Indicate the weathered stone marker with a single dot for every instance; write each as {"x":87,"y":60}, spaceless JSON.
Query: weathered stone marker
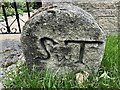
{"x":63,"y":38}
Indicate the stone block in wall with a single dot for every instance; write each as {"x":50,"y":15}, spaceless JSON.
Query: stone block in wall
{"x":108,"y":23}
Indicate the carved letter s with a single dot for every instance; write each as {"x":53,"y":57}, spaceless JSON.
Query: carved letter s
{"x":42,"y":42}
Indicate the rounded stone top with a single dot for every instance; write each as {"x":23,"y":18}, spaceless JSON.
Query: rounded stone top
{"x":65,"y":37}
{"x":67,"y":16}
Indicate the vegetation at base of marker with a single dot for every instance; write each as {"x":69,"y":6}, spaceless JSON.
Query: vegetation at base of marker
{"x":107,"y":76}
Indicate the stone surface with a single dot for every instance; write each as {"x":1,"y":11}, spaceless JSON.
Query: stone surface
{"x":64,"y":38}
{"x":10,"y":50}
{"x":100,"y":11}
{"x":82,"y":1}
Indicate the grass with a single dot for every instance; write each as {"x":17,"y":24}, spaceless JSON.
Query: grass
{"x":107,"y":77}
{"x":34,"y":79}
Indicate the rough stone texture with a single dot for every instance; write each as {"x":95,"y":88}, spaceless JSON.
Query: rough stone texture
{"x":82,"y":1}
{"x":97,"y":8}
{"x":103,"y":12}
{"x":63,"y":38}
{"x":10,"y":50}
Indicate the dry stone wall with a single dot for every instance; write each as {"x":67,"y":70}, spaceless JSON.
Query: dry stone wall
{"x":105,"y":15}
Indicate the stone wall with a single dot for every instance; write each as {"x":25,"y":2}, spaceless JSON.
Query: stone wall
{"x":104,"y":13}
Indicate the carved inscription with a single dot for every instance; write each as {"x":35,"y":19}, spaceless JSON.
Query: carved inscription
{"x":80,"y":42}
{"x":63,"y":39}
{"x":82,"y":47}
{"x":42,"y":42}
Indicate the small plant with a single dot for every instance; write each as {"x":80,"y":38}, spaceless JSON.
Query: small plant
{"x":1,"y":18}
{"x":10,"y":11}
{"x":25,"y":9}
{"x":20,"y":11}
